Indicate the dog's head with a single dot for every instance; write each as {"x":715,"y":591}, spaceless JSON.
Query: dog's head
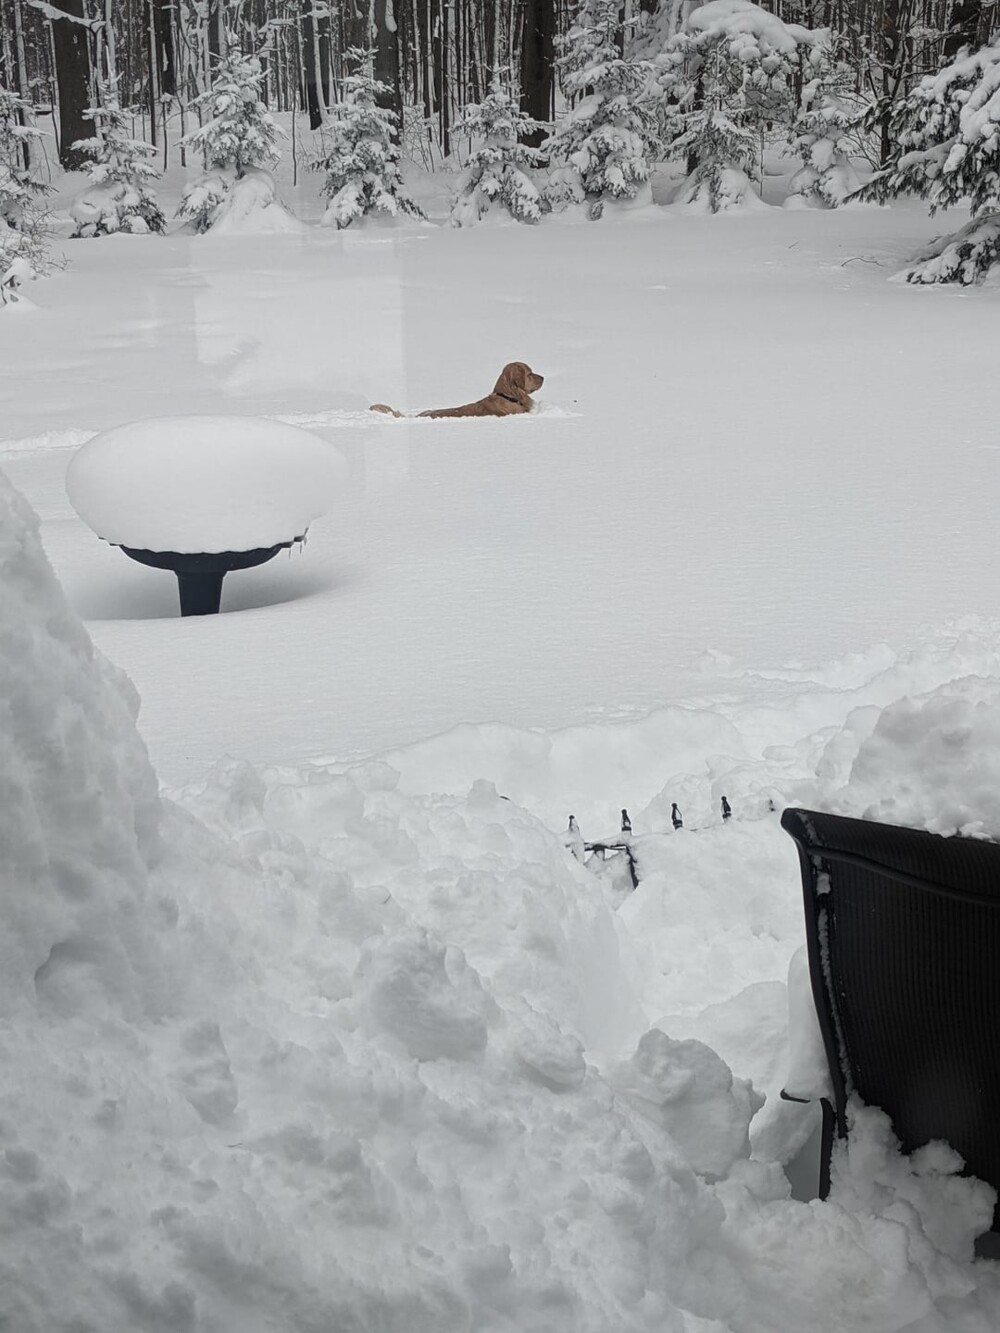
{"x":517,"y":378}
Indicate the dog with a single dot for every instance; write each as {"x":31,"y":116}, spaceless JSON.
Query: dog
{"x":511,"y":394}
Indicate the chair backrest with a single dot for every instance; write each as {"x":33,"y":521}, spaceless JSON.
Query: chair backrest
{"x":903,"y":934}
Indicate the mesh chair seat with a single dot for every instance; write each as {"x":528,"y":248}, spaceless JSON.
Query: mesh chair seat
{"x":903,"y":935}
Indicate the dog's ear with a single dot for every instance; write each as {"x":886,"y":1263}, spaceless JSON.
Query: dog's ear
{"x":509,"y":381}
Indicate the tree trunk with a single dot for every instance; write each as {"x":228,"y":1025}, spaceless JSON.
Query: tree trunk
{"x":964,"y":27}
{"x":213,"y":29}
{"x":892,"y":49}
{"x":154,"y":68}
{"x":444,"y":86}
{"x":21,"y":63}
{"x":310,"y":58}
{"x":537,"y":64}
{"x":163,"y":18}
{"x":387,"y":57}
{"x":71,"y":45}
{"x":322,"y":44}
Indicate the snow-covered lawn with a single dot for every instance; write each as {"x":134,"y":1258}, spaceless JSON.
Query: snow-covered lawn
{"x":337,"y":1038}
{"x":748,"y":442}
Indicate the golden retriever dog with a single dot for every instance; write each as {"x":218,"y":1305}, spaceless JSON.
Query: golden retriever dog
{"x":511,"y":393}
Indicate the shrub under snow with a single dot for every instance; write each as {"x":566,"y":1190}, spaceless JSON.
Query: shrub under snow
{"x":963,"y":257}
{"x":24,"y":219}
{"x":497,"y":178}
{"x":239,"y":141}
{"x":119,"y":197}
{"x":361,"y":160}
{"x":609,"y":137}
{"x":727,"y":76}
{"x":948,"y":132}
{"x":823,"y":140}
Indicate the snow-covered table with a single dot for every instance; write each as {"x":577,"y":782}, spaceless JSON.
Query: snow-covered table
{"x":203,"y":495}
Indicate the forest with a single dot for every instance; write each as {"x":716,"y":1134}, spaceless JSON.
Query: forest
{"x":535,"y":106}
{"x":434,"y":57}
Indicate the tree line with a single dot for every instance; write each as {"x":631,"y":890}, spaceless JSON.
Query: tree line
{"x":434,"y":57}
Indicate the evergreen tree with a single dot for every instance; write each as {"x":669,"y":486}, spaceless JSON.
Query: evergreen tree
{"x":608,"y":137}
{"x":119,"y":197}
{"x":239,"y":140}
{"x":824,"y":139}
{"x":497,"y":172}
{"x":361,"y":157}
{"x":24,"y":219}
{"x":948,"y":138}
{"x":729,"y":76}
{"x":241,"y":132}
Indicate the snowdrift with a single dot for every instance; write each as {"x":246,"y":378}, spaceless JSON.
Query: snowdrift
{"x":305,"y":1051}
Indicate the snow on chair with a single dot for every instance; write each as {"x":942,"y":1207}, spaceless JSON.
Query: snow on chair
{"x":903,"y":938}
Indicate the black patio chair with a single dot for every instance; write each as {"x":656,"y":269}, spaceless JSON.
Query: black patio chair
{"x":903,"y":936}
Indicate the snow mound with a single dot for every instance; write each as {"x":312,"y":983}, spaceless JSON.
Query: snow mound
{"x":203,"y":483}
{"x":688,"y":1089}
{"x":251,"y":207}
{"x":110,"y":207}
{"x":80,"y":811}
{"x":736,"y":191}
{"x":931,"y":762}
{"x":306,"y":1051}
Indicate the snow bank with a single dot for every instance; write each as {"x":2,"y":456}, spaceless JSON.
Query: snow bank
{"x":309,"y":1051}
{"x":251,"y":207}
{"x":736,"y":191}
{"x":338,"y":1119}
{"x":79,"y":813}
{"x":931,"y":762}
{"x":203,"y":483}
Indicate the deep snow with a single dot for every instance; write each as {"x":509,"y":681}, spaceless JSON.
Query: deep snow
{"x":748,"y":442}
{"x":335,"y":1033}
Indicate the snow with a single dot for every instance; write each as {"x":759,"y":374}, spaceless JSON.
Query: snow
{"x":931,"y":762}
{"x":753,"y":32}
{"x":203,"y":483}
{"x":331,"y":1030}
{"x":251,"y":207}
{"x":108,"y":207}
{"x":80,"y":814}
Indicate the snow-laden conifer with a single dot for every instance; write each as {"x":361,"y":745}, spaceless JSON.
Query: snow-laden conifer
{"x":119,"y":197}
{"x":729,"y":75}
{"x":824,"y":139}
{"x":360,"y":156}
{"x":497,"y":177}
{"x":948,"y":133}
{"x":239,"y":141}
{"x":24,"y":218}
{"x":964,"y":257}
{"x":608,"y":138}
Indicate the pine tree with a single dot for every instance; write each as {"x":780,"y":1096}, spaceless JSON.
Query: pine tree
{"x":728,"y":76}
{"x":609,"y":137}
{"x":497,"y":172}
{"x":824,"y":139}
{"x":119,"y":197}
{"x":361,"y":157}
{"x":948,"y":137}
{"x":241,"y":132}
{"x":24,"y":219}
{"x":239,"y":141}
